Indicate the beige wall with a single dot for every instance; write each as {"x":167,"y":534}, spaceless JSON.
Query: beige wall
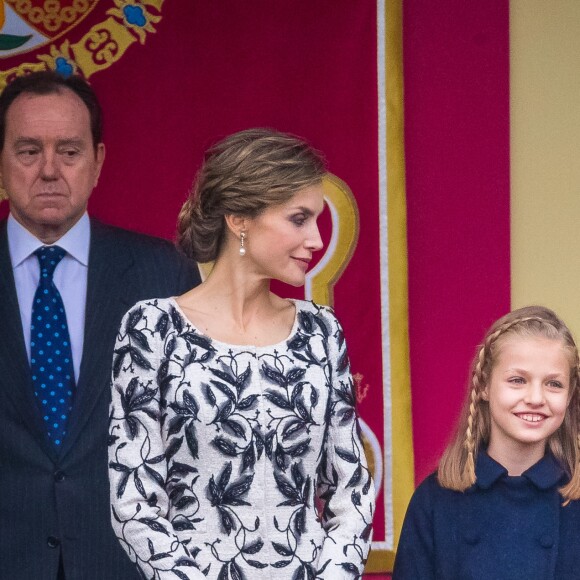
{"x":545,"y":155}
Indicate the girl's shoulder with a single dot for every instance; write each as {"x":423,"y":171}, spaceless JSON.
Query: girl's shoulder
{"x":431,"y":495}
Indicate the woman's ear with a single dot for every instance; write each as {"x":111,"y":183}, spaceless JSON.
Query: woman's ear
{"x":236,"y":224}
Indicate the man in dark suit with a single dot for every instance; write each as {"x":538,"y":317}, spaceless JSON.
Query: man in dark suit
{"x":65,"y":283}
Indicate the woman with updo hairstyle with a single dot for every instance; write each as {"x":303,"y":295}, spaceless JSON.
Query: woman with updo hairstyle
{"x":504,"y":502}
{"x":235,"y":451}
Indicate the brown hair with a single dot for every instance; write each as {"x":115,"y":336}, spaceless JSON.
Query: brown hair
{"x":457,"y":466}
{"x":49,"y":82}
{"x":243,"y":174}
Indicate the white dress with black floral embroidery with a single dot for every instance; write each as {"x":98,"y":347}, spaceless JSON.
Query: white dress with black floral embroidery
{"x":237,"y":462}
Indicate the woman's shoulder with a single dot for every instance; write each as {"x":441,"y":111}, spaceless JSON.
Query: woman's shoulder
{"x":159,"y":305}
{"x":320,"y":310}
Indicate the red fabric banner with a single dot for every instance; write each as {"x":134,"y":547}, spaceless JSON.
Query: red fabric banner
{"x":173,"y":77}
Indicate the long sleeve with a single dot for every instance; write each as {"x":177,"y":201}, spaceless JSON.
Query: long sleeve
{"x":415,"y":552}
{"x":141,"y":465}
{"x":344,"y":483}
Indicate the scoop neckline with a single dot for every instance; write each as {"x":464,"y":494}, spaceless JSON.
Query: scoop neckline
{"x":293,"y":330}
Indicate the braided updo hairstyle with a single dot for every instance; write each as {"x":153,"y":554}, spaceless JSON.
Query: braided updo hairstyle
{"x":457,"y":466}
{"x":243,"y":174}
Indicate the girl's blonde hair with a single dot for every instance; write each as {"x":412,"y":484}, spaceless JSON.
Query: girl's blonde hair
{"x":457,"y":466}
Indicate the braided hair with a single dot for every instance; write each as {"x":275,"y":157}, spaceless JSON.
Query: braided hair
{"x":457,"y":466}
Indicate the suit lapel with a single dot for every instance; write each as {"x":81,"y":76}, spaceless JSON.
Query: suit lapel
{"x":15,"y":377}
{"x":108,"y":285}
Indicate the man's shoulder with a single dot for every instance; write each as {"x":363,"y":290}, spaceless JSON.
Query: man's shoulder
{"x":105,"y":233}
{"x":154,"y":259}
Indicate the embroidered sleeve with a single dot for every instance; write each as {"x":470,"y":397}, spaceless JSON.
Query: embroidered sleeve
{"x":344,"y":481}
{"x":141,"y":464}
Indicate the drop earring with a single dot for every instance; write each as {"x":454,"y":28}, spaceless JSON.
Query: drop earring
{"x":242,"y":248}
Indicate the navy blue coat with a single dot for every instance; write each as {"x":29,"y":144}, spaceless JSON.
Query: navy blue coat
{"x":502,"y":528}
{"x":53,"y":504}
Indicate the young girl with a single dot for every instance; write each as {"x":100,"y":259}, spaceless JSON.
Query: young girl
{"x":503,"y":503}
{"x":233,"y":415}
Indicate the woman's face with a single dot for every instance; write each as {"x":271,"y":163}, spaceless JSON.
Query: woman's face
{"x":528,"y":394}
{"x":281,"y":240}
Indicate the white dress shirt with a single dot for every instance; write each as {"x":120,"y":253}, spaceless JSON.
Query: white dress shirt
{"x":70,"y":277}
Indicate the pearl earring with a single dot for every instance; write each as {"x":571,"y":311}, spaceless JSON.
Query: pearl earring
{"x":242,"y":249}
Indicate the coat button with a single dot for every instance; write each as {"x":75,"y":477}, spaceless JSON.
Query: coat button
{"x":471,"y":537}
{"x":52,"y":542}
{"x":59,"y":476}
{"x":546,"y":541}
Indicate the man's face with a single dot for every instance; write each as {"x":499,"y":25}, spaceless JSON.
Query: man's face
{"x":48,"y":165}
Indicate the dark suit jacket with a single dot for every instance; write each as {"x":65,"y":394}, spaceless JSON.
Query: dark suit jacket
{"x":51,"y":503}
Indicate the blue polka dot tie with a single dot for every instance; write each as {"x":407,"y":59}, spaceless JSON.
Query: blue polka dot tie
{"x":50,"y":349}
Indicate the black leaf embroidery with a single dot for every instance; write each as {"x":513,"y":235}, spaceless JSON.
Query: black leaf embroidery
{"x":295,"y":375}
{"x":342,"y":363}
{"x":176,"y":319}
{"x":356,"y":477}
{"x":254,"y":547}
{"x":191,"y":439}
{"x":139,"y":484}
{"x":176,"y":423}
{"x":224,"y":376}
{"x":140,"y":339}
{"x":366,"y":533}
{"x":292,"y":428}
{"x":224,"y":478}
{"x":173,"y":447}
{"x":346,"y":455}
{"x":298,"y":342}
{"x":180,"y":469}
{"x":256,"y":564}
{"x":225,"y":390}
{"x":300,"y":521}
{"x":154,"y":525}
{"x":299,"y":449}
{"x":233,"y":428}
{"x":227,"y":521}
{"x":277,"y":425}
{"x":236,"y":572}
{"x":277,"y":399}
{"x":287,"y":489}
{"x":248,"y":458}
{"x":225,"y":446}
{"x":305,"y":321}
{"x":248,"y":403}
{"x":122,"y":484}
{"x":281,"y":549}
{"x":197,"y":340}
{"x":223,"y":575}
{"x":275,"y":376}
{"x":322,"y":325}
{"x":118,"y":359}
{"x":162,"y":325}
{"x":134,"y":317}
{"x":155,"y":475}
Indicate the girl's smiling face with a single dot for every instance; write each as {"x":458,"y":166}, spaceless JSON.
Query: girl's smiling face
{"x":528,"y":395}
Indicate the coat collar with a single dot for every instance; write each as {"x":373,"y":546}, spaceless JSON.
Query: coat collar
{"x":545,"y":474}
